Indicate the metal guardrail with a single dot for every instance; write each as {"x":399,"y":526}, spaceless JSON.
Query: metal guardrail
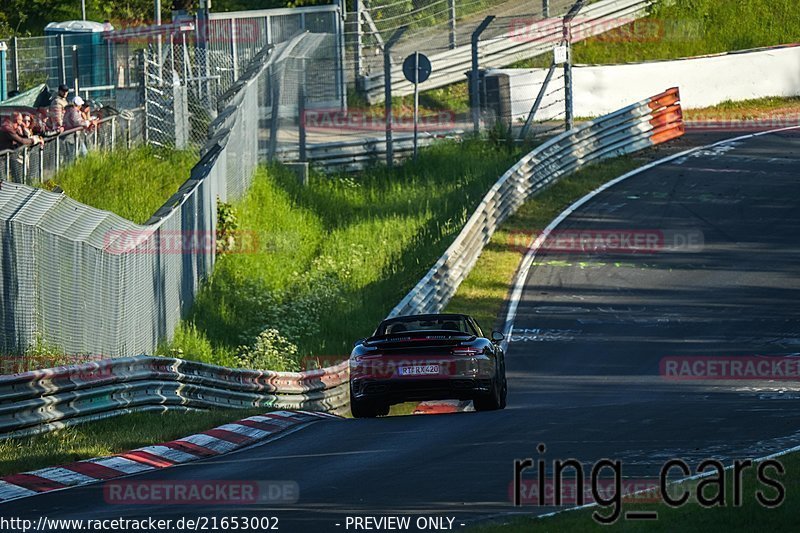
{"x":43,"y":400}
{"x":450,"y":66}
{"x":358,"y":154}
{"x":638,"y":126}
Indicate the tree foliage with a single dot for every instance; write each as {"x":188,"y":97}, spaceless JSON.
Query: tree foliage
{"x":29,"y":17}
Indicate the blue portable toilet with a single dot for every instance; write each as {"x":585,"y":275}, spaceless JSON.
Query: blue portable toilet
{"x":95,"y":53}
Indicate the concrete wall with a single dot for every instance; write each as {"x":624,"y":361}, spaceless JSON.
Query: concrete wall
{"x":703,"y":81}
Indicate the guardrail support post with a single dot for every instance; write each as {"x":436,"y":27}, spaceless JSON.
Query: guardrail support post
{"x":473,"y":75}
{"x":545,"y":8}
{"x":453,"y":23}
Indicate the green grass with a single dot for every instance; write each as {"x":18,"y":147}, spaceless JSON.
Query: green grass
{"x":751,"y":516}
{"x":333,"y":258}
{"x":131,"y":183}
{"x":686,"y":28}
{"x":484,"y":291}
{"x":110,"y":436}
{"x":747,"y":109}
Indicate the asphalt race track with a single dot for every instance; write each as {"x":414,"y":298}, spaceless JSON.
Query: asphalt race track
{"x":584,"y":364}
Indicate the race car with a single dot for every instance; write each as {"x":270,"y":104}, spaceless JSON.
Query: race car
{"x":427,"y":357}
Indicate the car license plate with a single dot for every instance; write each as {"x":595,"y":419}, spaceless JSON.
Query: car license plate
{"x":418,"y":370}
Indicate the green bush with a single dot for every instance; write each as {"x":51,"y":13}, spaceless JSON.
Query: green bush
{"x":271,"y":350}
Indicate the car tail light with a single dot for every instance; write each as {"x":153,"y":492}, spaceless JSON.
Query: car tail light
{"x":465,"y":351}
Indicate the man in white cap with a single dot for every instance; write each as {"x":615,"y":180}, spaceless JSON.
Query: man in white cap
{"x":73,"y":117}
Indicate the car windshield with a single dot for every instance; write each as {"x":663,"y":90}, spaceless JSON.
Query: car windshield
{"x":446,"y":323}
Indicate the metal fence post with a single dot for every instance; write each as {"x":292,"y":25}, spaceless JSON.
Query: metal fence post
{"x":301,"y":108}
{"x":62,"y":66}
{"x":15,"y":64}
{"x":234,"y":50}
{"x":359,"y":43}
{"x":75,"y":70}
{"x":58,"y":152}
{"x":113,"y":131}
{"x":3,"y":72}
{"x":341,"y":82}
{"x":387,"y":93}
{"x":275,"y":83}
{"x":453,"y":23}
{"x":545,"y":8}
{"x":473,"y":75}
{"x":539,"y":97}
{"x":25,"y":161}
{"x":567,"y":36}
{"x":568,"y":105}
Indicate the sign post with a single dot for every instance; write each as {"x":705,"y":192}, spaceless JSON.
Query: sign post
{"x":417,"y":69}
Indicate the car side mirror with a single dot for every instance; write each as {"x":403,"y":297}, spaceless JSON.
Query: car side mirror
{"x":359,"y":341}
{"x":497,"y":336}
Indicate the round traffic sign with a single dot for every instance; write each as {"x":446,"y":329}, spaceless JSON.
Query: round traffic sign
{"x":417,"y":67}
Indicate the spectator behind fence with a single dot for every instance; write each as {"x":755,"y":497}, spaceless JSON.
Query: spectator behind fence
{"x":13,"y":135}
{"x":58,"y":105}
{"x":74,"y":118}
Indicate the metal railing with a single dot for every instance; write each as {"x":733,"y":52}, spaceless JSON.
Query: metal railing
{"x":35,"y":164}
{"x":45,"y":400}
{"x":638,"y":126}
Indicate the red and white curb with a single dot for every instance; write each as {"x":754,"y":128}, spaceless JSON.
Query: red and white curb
{"x":442,"y":407}
{"x":217,"y":441}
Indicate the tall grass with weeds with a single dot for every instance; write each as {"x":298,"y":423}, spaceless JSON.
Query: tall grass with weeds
{"x":684,"y":28}
{"x":131,"y":183}
{"x":334,"y":257}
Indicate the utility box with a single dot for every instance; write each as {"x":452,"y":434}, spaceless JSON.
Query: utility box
{"x":497,"y":97}
{"x":94,"y":53}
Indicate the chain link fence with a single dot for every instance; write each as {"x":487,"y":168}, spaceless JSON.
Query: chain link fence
{"x":91,"y":282}
{"x":182,"y":85}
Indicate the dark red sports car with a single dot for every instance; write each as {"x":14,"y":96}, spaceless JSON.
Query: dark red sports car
{"x":427,"y":357}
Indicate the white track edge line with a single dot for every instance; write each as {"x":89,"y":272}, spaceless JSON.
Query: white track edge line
{"x":527,"y":262}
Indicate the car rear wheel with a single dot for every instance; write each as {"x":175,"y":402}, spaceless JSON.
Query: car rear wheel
{"x":495,"y":399}
{"x":366,"y":408}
